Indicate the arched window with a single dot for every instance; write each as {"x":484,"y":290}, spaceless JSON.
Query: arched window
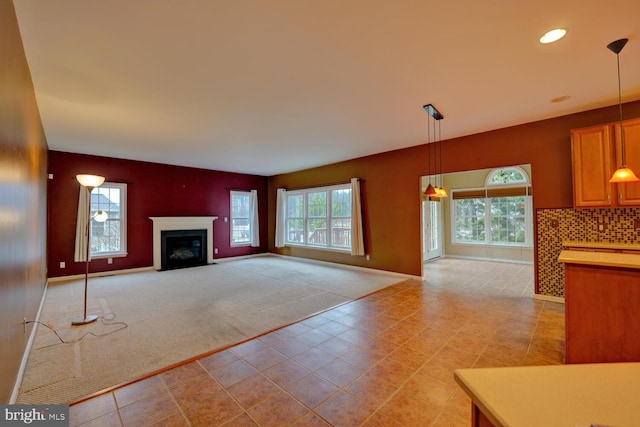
{"x":506,"y":176}
{"x":498,"y":214}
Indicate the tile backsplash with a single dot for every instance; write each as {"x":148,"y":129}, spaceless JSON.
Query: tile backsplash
{"x":557,"y":225}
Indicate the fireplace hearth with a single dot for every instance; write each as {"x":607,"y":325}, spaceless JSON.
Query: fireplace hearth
{"x":183,"y":248}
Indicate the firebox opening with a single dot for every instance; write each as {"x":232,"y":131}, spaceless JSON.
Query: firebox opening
{"x":183,"y":248}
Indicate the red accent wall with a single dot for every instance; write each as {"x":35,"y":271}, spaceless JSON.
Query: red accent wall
{"x":153,"y":190}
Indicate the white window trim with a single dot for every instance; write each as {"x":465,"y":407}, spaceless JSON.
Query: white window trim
{"x":305,"y":219}
{"x":489,"y":181}
{"x":123,"y":223}
{"x":231,"y":194}
{"x":528,"y":209}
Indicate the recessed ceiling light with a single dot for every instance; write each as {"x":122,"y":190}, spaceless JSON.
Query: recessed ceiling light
{"x":560,"y":99}
{"x":553,"y":35}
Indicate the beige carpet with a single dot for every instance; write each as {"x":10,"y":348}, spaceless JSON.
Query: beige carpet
{"x":172,"y":316}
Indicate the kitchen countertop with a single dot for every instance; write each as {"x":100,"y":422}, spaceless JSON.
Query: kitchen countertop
{"x":580,"y":395}
{"x":605,"y":259}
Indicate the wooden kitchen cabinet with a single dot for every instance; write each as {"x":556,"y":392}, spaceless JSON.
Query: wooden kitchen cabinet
{"x":629,"y":193}
{"x":602,"y":296}
{"x":601,"y":314}
{"x":596,"y":154}
{"x":592,"y":157}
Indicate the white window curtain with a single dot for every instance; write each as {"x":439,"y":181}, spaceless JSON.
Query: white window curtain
{"x":255,"y":222}
{"x":357,"y":233}
{"x":281,"y":200}
{"x":80,"y":253}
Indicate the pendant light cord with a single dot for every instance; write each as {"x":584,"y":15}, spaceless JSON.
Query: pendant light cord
{"x":622,"y":149}
{"x":440,"y":144}
{"x":429,"y":148}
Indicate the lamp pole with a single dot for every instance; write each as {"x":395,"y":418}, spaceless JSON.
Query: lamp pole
{"x":91,"y":318}
{"x":89,"y":182}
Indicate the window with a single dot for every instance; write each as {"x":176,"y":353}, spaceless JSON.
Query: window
{"x":240,"y":218}
{"x":498,"y":214}
{"x":319,"y":217}
{"x":109,"y":238}
{"x":510,"y":175}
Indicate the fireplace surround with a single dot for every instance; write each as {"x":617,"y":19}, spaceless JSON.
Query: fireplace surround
{"x":181,"y":223}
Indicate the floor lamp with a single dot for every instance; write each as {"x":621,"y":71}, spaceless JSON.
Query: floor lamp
{"x":89,"y":182}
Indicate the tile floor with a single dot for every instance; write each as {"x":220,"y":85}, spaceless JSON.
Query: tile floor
{"x":383,"y":360}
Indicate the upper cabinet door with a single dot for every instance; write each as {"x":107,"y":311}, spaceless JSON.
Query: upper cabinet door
{"x":629,"y":193}
{"x":592,"y":153}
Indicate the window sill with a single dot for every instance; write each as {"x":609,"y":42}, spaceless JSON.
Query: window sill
{"x":320,"y":248}
{"x":109,"y":255}
{"x":494,"y":245}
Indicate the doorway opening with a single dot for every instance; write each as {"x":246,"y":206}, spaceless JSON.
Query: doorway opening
{"x":431,"y":230}
{"x":487,"y":216}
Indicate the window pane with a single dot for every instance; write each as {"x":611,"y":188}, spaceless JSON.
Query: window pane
{"x":106,"y":237}
{"x":341,"y":218}
{"x":470,"y":220}
{"x":320,"y":217}
{"x":434,"y":228}
{"x":295,"y":230}
{"x":295,"y":206}
{"x":341,"y":232}
{"x":505,"y":176}
{"x":317,"y":231}
{"x":341,"y":202}
{"x":240,"y":205}
{"x":508,"y":220}
{"x":295,"y":218}
{"x":317,"y":204}
{"x":240,"y":221}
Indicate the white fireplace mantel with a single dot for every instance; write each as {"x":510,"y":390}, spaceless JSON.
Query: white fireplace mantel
{"x":164,"y":223}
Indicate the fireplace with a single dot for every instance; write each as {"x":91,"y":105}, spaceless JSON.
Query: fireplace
{"x":183,"y":224}
{"x":183,"y":248}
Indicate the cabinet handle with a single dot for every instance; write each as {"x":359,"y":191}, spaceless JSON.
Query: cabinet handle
{"x":608,"y":198}
{"x":620,"y":198}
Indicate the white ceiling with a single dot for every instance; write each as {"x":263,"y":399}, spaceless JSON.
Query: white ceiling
{"x":268,"y":87}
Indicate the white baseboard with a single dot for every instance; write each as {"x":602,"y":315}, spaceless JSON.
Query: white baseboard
{"x":235,"y":258}
{"x":348,"y":267}
{"x":548,"y":298}
{"x":27,"y":350}
{"x":512,"y":261}
{"x":99,"y":274}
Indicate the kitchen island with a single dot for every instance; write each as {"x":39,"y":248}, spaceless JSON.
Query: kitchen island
{"x":580,"y":395}
{"x":602,"y":302}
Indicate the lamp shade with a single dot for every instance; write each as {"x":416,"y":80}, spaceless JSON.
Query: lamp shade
{"x":430,"y":191}
{"x":101,"y":216}
{"x":88,"y":180}
{"x":624,"y":175}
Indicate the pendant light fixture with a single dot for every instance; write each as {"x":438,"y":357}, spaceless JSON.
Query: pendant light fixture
{"x":623,"y":173}
{"x":431,"y":190}
{"x":441,"y":189}
{"x":435,"y":115}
